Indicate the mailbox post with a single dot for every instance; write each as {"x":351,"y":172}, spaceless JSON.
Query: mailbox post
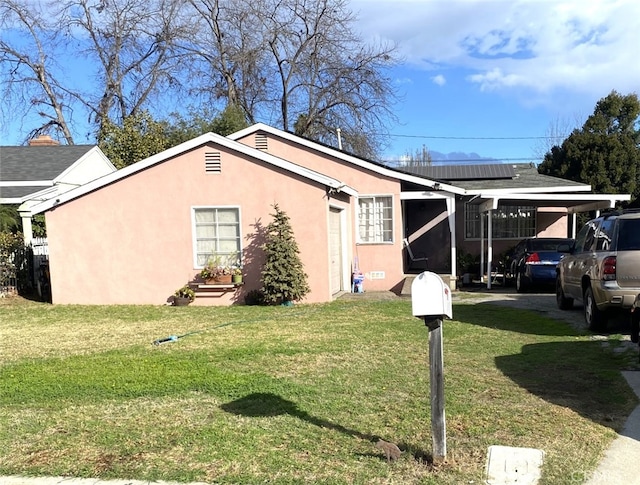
{"x":431,"y":301}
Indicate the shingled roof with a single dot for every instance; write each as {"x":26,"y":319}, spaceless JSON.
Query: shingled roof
{"x":36,"y":164}
{"x":493,"y":176}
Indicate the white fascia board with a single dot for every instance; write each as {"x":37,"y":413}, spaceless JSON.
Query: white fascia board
{"x":556,"y":197}
{"x":387,"y":172}
{"x":584,"y":202}
{"x":10,"y":200}
{"x":427,"y":195}
{"x":597,"y":205}
{"x":94,"y":151}
{"x":532,"y":190}
{"x":183,"y":147}
{"x":41,"y":195}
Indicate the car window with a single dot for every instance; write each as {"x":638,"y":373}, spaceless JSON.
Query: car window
{"x":628,"y":234}
{"x":586,"y":237}
{"x":547,"y":244}
{"x":605,"y":235}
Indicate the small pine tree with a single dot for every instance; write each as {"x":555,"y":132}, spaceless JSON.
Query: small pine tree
{"x":283,"y":276}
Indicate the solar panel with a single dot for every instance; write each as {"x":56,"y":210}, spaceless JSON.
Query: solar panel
{"x":467,"y":172}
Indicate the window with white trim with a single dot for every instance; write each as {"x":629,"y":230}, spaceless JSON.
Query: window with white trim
{"x":508,"y":222}
{"x":216,"y":234}
{"x":375,"y":219}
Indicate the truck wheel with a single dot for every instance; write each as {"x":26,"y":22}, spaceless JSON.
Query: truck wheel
{"x":596,"y":319}
{"x":563,"y":302}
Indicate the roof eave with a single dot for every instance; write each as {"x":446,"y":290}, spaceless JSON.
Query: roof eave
{"x":388,"y":172}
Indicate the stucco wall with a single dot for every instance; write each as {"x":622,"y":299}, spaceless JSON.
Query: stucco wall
{"x":131,"y":242}
{"x":381,"y":263}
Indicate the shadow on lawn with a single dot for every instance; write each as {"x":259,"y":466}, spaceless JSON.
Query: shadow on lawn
{"x":572,"y":375}
{"x":265,"y":404}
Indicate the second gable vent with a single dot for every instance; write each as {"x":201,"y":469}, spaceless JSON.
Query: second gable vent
{"x":212,"y":162}
{"x":261,"y":142}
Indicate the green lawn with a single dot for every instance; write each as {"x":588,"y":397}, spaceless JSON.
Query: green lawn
{"x":296,"y":394}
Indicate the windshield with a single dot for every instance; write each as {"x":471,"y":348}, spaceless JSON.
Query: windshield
{"x":548,"y":244}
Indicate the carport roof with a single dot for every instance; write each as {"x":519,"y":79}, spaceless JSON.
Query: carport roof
{"x":480,"y":177}
{"x":573,"y":202}
{"x":491,"y":185}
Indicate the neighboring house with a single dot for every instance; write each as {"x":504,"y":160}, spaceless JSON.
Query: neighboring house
{"x":149,"y":228}
{"x":45,"y":169}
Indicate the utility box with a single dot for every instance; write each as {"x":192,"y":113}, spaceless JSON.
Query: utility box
{"x":430,"y":296}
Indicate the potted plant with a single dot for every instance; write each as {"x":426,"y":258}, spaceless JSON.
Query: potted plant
{"x":213,"y":274}
{"x":236,"y":275}
{"x":216,"y":271}
{"x":183,"y":296}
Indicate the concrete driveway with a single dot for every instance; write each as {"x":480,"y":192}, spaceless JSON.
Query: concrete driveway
{"x":541,"y":302}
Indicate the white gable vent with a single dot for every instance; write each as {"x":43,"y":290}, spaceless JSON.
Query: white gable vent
{"x":261,"y":142}
{"x":212,"y":162}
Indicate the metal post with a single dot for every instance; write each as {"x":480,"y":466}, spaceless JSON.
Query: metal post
{"x":436,"y":366}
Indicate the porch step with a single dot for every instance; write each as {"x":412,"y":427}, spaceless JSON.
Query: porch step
{"x":408,"y":280}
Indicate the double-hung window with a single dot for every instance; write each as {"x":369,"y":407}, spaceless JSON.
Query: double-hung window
{"x":375,"y":219}
{"x":216,"y":234}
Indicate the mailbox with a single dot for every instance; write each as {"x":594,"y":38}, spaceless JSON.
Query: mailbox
{"x":430,"y":296}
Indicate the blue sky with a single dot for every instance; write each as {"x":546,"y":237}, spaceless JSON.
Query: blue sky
{"x":501,"y":69}
{"x":488,"y":78}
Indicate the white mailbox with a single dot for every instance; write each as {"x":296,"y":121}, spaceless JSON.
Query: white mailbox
{"x":430,"y":296}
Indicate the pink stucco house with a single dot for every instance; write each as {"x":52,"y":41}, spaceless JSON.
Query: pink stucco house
{"x":136,"y":235}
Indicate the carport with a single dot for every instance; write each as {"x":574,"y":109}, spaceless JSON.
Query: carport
{"x":573,"y":203}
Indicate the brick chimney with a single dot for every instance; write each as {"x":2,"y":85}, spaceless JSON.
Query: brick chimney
{"x":43,"y":141}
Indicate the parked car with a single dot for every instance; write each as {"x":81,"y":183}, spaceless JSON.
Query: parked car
{"x":534,"y":261}
{"x":602,"y":268}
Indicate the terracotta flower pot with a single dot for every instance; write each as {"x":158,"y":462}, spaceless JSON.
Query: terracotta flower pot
{"x":224,"y":279}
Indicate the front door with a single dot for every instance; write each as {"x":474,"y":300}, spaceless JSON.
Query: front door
{"x":335,"y":250}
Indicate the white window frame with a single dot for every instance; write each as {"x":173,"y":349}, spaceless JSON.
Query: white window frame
{"x":378,"y":236}
{"x":194,"y":209}
{"x":526,"y":226}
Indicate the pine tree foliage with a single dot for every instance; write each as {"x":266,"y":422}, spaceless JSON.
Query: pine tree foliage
{"x":283,"y":276}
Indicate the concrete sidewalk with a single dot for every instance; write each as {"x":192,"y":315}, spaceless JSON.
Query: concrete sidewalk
{"x":621,"y":459}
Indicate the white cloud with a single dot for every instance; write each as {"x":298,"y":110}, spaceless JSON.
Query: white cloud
{"x":540,"y":47}
{"x":439,"y":80}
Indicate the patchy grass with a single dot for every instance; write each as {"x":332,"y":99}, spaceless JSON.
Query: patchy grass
{"x":295,"y":394}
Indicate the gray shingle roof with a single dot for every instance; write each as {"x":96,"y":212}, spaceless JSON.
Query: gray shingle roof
{"x":524,"y":176}
{"x":25,"y":163}
{"x":19,"y":192}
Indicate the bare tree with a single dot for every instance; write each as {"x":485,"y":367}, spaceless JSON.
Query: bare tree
{"x":557,"y":131}
{"x":225,"y":63}
{"x":297,"y":64}
{"x":132,"y":44}
{"x":30,"y":75}
{"x":127,"y":44}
